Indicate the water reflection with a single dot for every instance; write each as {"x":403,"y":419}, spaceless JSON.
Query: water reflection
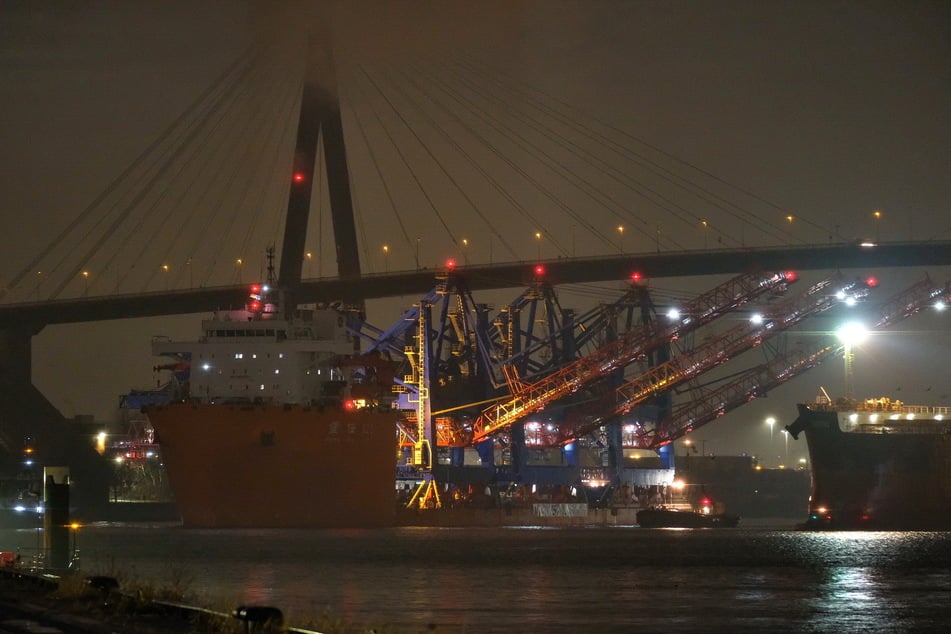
{"x":489,"y":580}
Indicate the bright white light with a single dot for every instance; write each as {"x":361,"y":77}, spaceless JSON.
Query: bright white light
{"x":673,"y":313}
{"x":206,"y":366}
{"x":850,"y":301}
{"x":940,"y":305}
{"x":853,"y":418}
{"x":873,"y":418}
{"x":867,"y":245}
{"x":939,"y":417}
{"x":852,"y":333}
{"x":756,"y":318}
{"x":840,"y":295}
{"x":265,"y":288}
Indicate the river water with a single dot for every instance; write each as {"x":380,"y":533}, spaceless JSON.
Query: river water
{"x":596,"y":579}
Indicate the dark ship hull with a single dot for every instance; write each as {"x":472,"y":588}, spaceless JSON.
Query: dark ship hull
{"x":877,"y":470}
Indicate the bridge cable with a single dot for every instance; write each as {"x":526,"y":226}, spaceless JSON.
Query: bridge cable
{"x":285,"y":134}
{"x":94,"y":204}
{"x":474,"y":164}
{"x":383,"y":181}
{"x":657,"y":168}
{"x":549,"y":161}
{"x":162,"y":219}
{"x":402,"y":156}
{"x":161,"y":171}
{"x":639,"y":188}
{"x":515,"y":167}
{"x":651,"y":195}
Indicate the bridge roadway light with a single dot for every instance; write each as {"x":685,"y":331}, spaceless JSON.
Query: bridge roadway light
{"x":706,"y":225}
{"x":620,"y":240}
{"x":877,"y":214}
{"x":386,"y":259}
{"x":85,"y":283}
{"x":238,"y":264}
{"x":770,"y":421}
{"x":538,"y":237}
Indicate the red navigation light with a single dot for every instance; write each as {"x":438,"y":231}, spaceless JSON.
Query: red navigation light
{"x":298,"y":177}
{"x":705,"y":502}
{"x":539,"y":270}
{"x":871,"y":281}
{"x":349,"y":405}
{"x":790,"y":276}
{"x":450,"y":264}
{"x":256,"y":289}
{"x":255,"y":306}
{"x":636,"y":276}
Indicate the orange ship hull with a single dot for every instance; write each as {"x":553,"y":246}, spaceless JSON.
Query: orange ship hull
{"x":277,"y":466}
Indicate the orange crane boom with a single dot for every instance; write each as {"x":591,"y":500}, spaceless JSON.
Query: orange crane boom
{"x":758,"y":380}
{"x":718,"y":350}
{"x":634,"y":344}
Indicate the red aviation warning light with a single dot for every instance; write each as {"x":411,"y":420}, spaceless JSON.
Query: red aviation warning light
{"x":871,"y":281}
{"x":350,"y":405}
{"x":298,"y":177}
{"x":636,"y":277}
{"x":539,"y":270}
{"x":450,"y":264}
{"x":790,"y":276}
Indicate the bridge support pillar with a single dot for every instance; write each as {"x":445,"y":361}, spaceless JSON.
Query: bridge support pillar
{"x":27,"y":412}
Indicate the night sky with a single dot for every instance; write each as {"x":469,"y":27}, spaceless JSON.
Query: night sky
{"x":825,"y":111}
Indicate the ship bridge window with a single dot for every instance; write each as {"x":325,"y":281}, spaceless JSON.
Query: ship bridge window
{"x":269,"y":332}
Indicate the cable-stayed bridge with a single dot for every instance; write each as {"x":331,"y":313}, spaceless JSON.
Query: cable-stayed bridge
{"x":443,"y":160}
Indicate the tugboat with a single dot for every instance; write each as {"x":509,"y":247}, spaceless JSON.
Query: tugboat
{"x":702,"y":516}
